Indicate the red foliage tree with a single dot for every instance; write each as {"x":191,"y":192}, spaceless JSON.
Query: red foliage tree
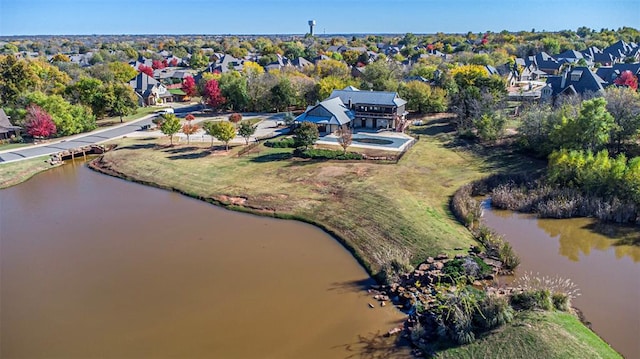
{"x":189,"y":118}
{"x":165,"y":63}
{"x":627,"y":78}
{"x":485,"y":39}
{"x":145,"y":69}
{"x":189,"y":129}
{"x":157,"y":65}
{"x":173,"y":62}
{"x":430,"y":47}
{"x":189,"y":86}
{"x":38,"y":122}
{"x":235,"y":117}
{"x":213,"y":95}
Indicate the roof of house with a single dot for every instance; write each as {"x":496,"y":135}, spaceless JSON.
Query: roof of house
{"x":581,"y":80}
{"x":610,"y":73}
{"x":5,"y":124}
{"x":327,"y":112}
{"x":569,"y":54}
{"x":368,"y":97}
{"x":143,"y":82}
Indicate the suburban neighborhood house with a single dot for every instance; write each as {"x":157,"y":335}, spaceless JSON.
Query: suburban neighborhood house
{"x":328,"y":115}
{"x":357,"y":109}
{"x":149,"y":90}
{"x":6,"y":128}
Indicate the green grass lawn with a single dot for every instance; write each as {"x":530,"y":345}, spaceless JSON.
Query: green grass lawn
{"x":383,"y":212}
{"x":388,"y":215}
{"x":14,"y":173}
{"x":12,"y":146}
{"x":140,"y":112}
{"x":548,"y":335}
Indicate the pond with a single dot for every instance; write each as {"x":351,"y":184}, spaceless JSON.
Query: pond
{"x":596,"y":258}
{"x":93,"y":266}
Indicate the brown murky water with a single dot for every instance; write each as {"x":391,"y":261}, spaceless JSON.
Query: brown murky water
{"x":92,"y":266}
{"x":606,"y":271}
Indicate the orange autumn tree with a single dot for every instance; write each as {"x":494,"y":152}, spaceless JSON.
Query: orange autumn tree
{"x":189,"y":128}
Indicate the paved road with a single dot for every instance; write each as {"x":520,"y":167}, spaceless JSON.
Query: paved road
{"x":83,"y":140}
{"x":266,"y":128}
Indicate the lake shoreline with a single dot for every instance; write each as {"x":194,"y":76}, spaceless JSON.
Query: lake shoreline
{"x":238,"y":203}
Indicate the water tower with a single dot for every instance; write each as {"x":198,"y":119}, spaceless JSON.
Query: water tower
{"x":312,"y":23}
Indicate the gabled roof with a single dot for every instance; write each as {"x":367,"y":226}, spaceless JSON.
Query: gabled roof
{"x":327,"y":112}
{"x":5,"y":125}
{"x":580,"y":80}
{"x":610,"y":73}
{"x":619,"y":49}
{"x":301,"y":62}
{"x":569,"y":54}
{"x":369,"y":97}
{"x":143,"y":82}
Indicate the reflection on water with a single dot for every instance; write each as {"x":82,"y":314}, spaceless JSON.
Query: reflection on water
{"x":604,"y":267}
{"x":582,"y":235}
{"x":92,"y":266}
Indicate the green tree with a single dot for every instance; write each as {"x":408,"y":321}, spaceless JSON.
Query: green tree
{"x":490,"y":126}
{"x":331,"y":67}
{"x":421,"y":97}
{"x":124,"y":101}
{"x":69,"y":119}
{"x":49,"y":78}
{"x":170,"y":126}
{"x":624,"y":105}
{"x":234,"y":88}
{"x":551,"y":45}
{"x":91,"y":92}
{"x":223,"y":131}
{"x":326,"y":85}
{"x":246,"y":130}
{"x":305,"y":135}
{"x":590,"y":130}
{"x":15,"y":79}
{"x":198,"y":60}
{"x":283,"y":94}
{"x":382,"y":75}
{"x":123,"y":72}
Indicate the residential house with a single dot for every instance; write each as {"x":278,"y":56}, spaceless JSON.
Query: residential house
{"x":226,"y":63}
{"x":570,"y":56}
{"x":373,"y":109}
{"x":7,"y":130}
{"x":149,"y":90}
{"x":610,"y":73}
{"x":544,"y":62}
{"x":622,"y":50}
{"x":580,"y":80}
{"x":328,"y":115}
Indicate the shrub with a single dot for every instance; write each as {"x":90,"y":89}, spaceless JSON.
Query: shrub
{"x":532,"y":299}
{"x":493,"y":312}
{"x":282,"y":143}
{"x":471,"y":267}
{"x":508,"y":257}
{"x":465,"y":207}
{"x":563,"y":290}
{"x":320,"y":154}
{"x":561,"y":301}
{"x":235,"y":117}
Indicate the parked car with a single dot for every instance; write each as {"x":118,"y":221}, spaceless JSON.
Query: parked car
{"x":165,"y":111}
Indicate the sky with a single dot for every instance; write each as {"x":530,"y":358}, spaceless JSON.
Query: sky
{"x":87,"y":17}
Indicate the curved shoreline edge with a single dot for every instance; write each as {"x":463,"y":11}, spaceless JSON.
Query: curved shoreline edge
{"x":95,"y":165}
{"x":225,"y":203}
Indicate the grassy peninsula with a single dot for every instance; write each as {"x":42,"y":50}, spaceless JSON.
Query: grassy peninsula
{"x":391,"y":216}
{"x":14,"y":173}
